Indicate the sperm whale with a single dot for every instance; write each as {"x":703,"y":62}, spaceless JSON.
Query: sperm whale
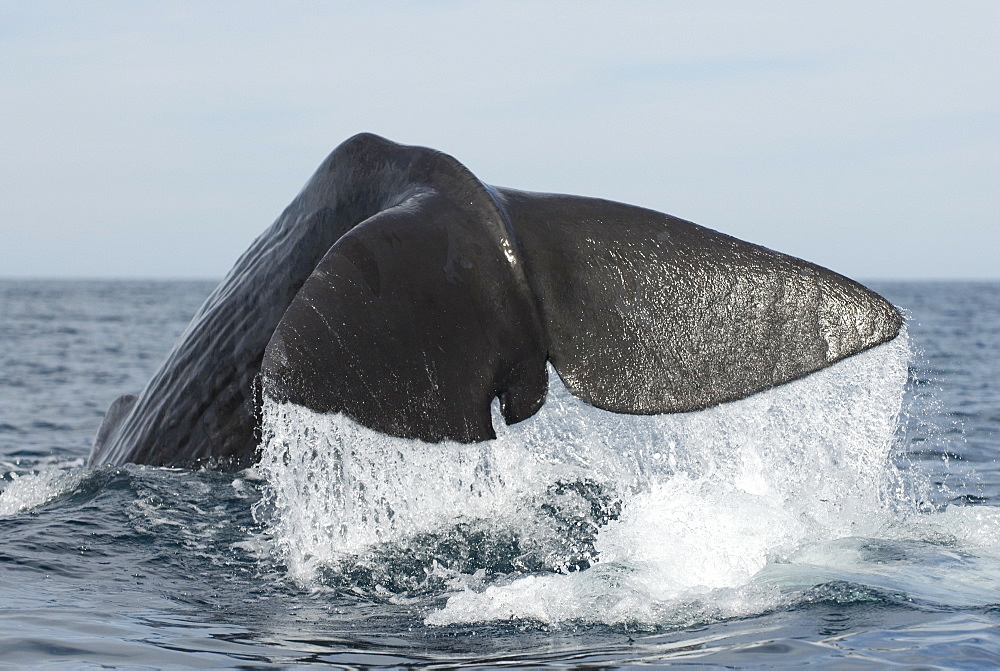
{"x":400,"y":290}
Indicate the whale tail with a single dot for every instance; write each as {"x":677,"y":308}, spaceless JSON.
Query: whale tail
{"x":459,"y":293}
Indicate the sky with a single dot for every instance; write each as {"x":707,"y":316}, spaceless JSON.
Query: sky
{"x":158,"y":139}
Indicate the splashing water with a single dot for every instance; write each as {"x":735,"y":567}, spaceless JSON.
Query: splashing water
{"x":581,"y":514}
{"x":24,"y":491}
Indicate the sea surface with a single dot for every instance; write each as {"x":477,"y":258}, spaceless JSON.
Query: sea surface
{"x":850,"y":519}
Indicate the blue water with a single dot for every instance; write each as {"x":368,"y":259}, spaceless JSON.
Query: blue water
{"x":849,"y":519}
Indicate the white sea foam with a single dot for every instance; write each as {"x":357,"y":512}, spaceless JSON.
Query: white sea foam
{"x":721,"y":511}
{"x":25,"y":491}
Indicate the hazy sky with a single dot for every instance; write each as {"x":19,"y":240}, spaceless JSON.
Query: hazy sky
{"x":157,"y":139}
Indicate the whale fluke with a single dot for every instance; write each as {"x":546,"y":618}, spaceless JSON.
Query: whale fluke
{"x":400,"y":290}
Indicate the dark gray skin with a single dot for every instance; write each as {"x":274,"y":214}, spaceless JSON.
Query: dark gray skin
{"x":400,"y":290}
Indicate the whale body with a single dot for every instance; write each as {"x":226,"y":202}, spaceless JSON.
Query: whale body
{"x":400,"y":290}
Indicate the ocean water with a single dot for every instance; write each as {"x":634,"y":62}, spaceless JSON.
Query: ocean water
{"x":849,"y":519}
